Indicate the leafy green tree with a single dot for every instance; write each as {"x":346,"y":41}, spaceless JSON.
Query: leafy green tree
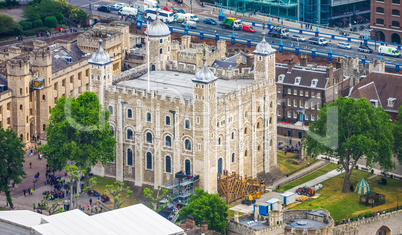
{"x":52,"y":207}
{"x":48,"y":8}
{"x":154,"y":201}
{"x":78,"y":15}
{"x":75,"y":175}
{"x":59,"y":17}
{"x":11,"y":159}
{"x":8,"y":26}
{"x":37,"y":23}
{"x":204,"y":206}
{"x":26,"y":25}
{"x":398,"y":135}
{"x":31,"y":13}
{"x":51,"y":21}
{"x":361,"y":130}
{"x":119,"y":194}
{"x":78,"y":131}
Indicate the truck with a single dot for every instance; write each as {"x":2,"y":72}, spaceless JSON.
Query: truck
{"x":152,"y":3}
{"x":232,"y":23}
{"x":390,"y":51}
{"x":128,"y":11}
{"x":318,"y":41}
{"x":140,"y":6}
{"x":180,"y":17}
{"x":278,"y":32}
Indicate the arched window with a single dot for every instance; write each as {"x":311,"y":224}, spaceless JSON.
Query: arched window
{"x":111,"y":129}
{"x":187,"y":144}
{"x":187,"y":124}
{"x":129,"y":157}
{"x":379,"y":21}
{"x":160,"y":51}
{"x":395,"y":24}
{"x":259,"y":109}
{"x":233,"y":135}
{"x":187,"y":166}
{"x":149,"y":160}
{"x":44,"y":127}
{"x":219,"y":141}
{"x":111,"y":110}
{"x":245,"y":153}
{"x":396,"y":12}
{"x":245,"y":130}
{"x":245,"y":114}
{"x":149,"y":118}
{"x":379,"y":10}
{"x":21,"y":136}
{"x":270,"y":143}
{"x":258,"y":125}
{"x":20,"y":106}
{"x":259,"y":148}
{"x":270,"y":120}
{"x":129,"y":113}
{"x":129,"y":134}
{"x":161,"y":41}
{"x":233,"y":157}
{"x":43,"y":97}
{"x":168,"y":164}
{"x":149,"y":137}
{"x":220,"y":163}
{"x":168,"y":141}
{"x":167,"y":120}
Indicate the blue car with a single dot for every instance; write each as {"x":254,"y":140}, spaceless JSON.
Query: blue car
{"x":210,"y":21}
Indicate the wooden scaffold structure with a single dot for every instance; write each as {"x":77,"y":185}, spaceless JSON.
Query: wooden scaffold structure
{"x":234,"y":187}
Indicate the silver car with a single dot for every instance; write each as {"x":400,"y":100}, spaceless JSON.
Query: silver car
{"x":344,"y":45}
{"x":296,"y":37}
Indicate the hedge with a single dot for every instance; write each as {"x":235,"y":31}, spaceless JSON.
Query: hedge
{"x":26,"y":25}
{"x":32,"y":32}
{"x":51,"y":21}
{"x":37,"y":24}
{"x":59,"y":17}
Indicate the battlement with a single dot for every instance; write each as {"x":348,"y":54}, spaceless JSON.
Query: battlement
{"x":41,"y":58}
{"x":39,"y":44}
{"x":90,"y":39}
{"x":18,"y":67}
{"x":130,"y":74}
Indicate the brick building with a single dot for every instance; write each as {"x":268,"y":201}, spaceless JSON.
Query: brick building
{"x":386,"y":20}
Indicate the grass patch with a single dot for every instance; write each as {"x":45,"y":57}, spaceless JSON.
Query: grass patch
{"x":2,"y":208}
{"x":343,"y":206}
{"x":231,"y":213}
{"x":319,"y":172}
{"x":285,"y":162}
{"x":100,"y":186}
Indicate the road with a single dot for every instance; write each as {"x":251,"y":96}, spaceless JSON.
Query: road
{"x":253,"y":36}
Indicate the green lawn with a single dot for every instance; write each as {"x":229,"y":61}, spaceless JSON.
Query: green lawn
{"x":321,"y":171}
{"x":343,"y":206}
{"x":100,"y":186}
{"x":285,"y":162}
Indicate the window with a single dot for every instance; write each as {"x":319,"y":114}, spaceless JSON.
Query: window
{"x":395,"y":12}
{"x":20,"y":106}
{"x":294,"y":115}
{"x":233,"y":135}
{"x":44,"y":127}
{"x":87,"y":73}
{"x":312,"y":117}
{"x":129,"y":134}
{"x":187,"y":145}
{"x":279,"y":90}
{"x":160,"y":51}
{"x":289,"y":102}
{"x":167,"y":120}
{"x":294,"y":103}
{"x":396,"y":1}
{"x":270,"y":120}
{"x":278,"y":101}
{"x":391,"y":103}
{"x":301,"y":92}
{"x":129,"y":157}
{"x":289,"y":114}
{"x":297,"y":80}
{"x":43,"y":97}
{"x":279,"y":112}
{"x":168,"y":141}
{"x":79,"y":75}
{"x":259,"y":109}
{"x":111,"y":129}
{"x":312,"y":105}
{"x":55,"y":86}
{"x":8,"y":106}
{"x":306,"y":94}
{"x":395,"y":24}
{"x":289,"y":91}
{"x":111,"y":110}
{"x":379,"y":10}
{"x":71,"y":79}
{"x":149,"y":161}
{"x":258,"y":125}
{"x":306,"y":117}
{"x":270,"y":104}
{"x":219,"y":141}
{"x":245,"y":153}
{"x":149,"y":118}
{"x":379,"y":21}
{"x":233,"y":157}
{"x":294,"y":92}
{"x":198,"y":120}
{"x":318,"y":105}
{"x":245,"y":114}
{"x":149,"y":138}
{"x":20,"y":91}
{"x":318,"y":95}
{"x":63,"y":82}
{"x":187,"y":123}
{"x":313,"y":94}
{"x":245,"y":130}
{"x":161,"y":41}
{"x":314,"y":82}
{"x":168,"y":164}
{"x":129,"y":113}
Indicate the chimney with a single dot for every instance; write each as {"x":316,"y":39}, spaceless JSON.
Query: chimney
{"x":303,"y":60}
{"x":330,"y":74}
{"x":204,"y":226}
{"x":291,"y":64}
{"x":183,"y":225}
{"x":250,"y":60}
{"x":190,"y":223}
{"x":338,"y":63}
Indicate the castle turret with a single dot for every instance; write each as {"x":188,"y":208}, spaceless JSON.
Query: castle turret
{"x":205,"y":109}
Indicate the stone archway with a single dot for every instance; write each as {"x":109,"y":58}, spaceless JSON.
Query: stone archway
{"x":395,"y":38}
{"x":384,"y":230}
{"x":380,"y":36}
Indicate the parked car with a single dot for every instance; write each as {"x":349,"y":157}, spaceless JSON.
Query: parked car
{"x":344,"y":45}
{"x":299,"y":38}
{"x":365,"y":48}
{"x":117,"y":6}
{"x":248,"y":28}
{"x":209,"y":21}
{"x":178,"y":10}
{"x":168,"y":8}
{"x":190,"y":24}
{"x":103,"y":8}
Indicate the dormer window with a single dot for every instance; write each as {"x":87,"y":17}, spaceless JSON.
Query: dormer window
{"x":374,"y":102}
{"x":391,"y":102}
{"x":314,"y":83}
{"x":297,"y":80}
{"x":281,"y":78}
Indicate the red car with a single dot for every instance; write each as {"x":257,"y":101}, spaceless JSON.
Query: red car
{"x":167,"y":8}
{"x":248,"y":28}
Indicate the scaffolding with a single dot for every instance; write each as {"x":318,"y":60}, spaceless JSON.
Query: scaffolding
{"x":181,"y":188}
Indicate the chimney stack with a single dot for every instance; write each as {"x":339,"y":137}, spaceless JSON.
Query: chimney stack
{"x":338,"y":63}
{"x":190,"y":223}
{"x":183,"y":225}
{"x":330,"y":74}
{"x":204,"y":226}
{"x":303,"y":60}
{"x":291,"y":64}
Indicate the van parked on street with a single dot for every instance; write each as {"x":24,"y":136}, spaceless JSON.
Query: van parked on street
{"x":390,"y":51}
{"x":318,"y":41}
{"x":128,"y":11}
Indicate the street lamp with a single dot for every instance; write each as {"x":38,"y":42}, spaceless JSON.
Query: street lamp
{"x":90,"y":5}
{"x":191,"y":3}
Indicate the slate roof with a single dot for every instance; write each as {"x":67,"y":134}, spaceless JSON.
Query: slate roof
{"x":230,"y":62}
{"x":59,"y":63}
{"x":380,"y":86}
{"x":306,"y":74}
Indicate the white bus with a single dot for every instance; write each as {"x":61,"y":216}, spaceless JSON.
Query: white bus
{"x":164,"y":16}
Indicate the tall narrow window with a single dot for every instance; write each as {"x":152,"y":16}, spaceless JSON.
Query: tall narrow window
{"x":149,"y":160}
{"x":149,"y":118}
{"x":167,"y":120}
{"x":129,"y":157}
{"x":168,"y":164}
{"x":187,"y":124}
{"x":129,"y":113}
{"x":111,"y":110}
{"x":168,"y":141}
{"x":187,"y":144}
{"x":149,"y":137}
{"x":233,"y":157}
{"x":129,"y":134}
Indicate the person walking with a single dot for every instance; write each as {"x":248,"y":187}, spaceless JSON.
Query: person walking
{"x":90,"y":201}
{"x":30,"y":165}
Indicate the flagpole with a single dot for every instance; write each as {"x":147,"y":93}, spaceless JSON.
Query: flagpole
{"x":149,"y":89}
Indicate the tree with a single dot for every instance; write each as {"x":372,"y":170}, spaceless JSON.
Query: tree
{"x":78,"y":131}
{"x":75,"y":175}
{"x":48,"y":8}
{"x":8,"y":26}
{"x":11,"y":159}
{"x":52,"y":207}
{"x":78,"y":15}
{"x":398,"y":135}
{"x":154,"y":201}
{"x":361,"y":130}
{"x":204,"y":206}
{"x":51,"y":21}
{"x":60,"y":17}
{"x":31,"y":13}
{"x":117,"y":193}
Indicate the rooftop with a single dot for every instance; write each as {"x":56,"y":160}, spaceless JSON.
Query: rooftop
{"x":257,"y":225}
{"x":63,"y":58}
{"x":177,"y":84}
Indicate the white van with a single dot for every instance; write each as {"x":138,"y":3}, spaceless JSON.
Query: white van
{"x":128,"y":11}
{"x":151,"y":3}
{"x":179,"y":17}
{"x":387,"y":50}
{"x":142,"y":7}
{"x":190,"y":24}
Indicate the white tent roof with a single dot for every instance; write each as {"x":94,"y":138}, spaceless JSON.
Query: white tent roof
{"x":22,"y":217}
{"x":137,"y":219}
